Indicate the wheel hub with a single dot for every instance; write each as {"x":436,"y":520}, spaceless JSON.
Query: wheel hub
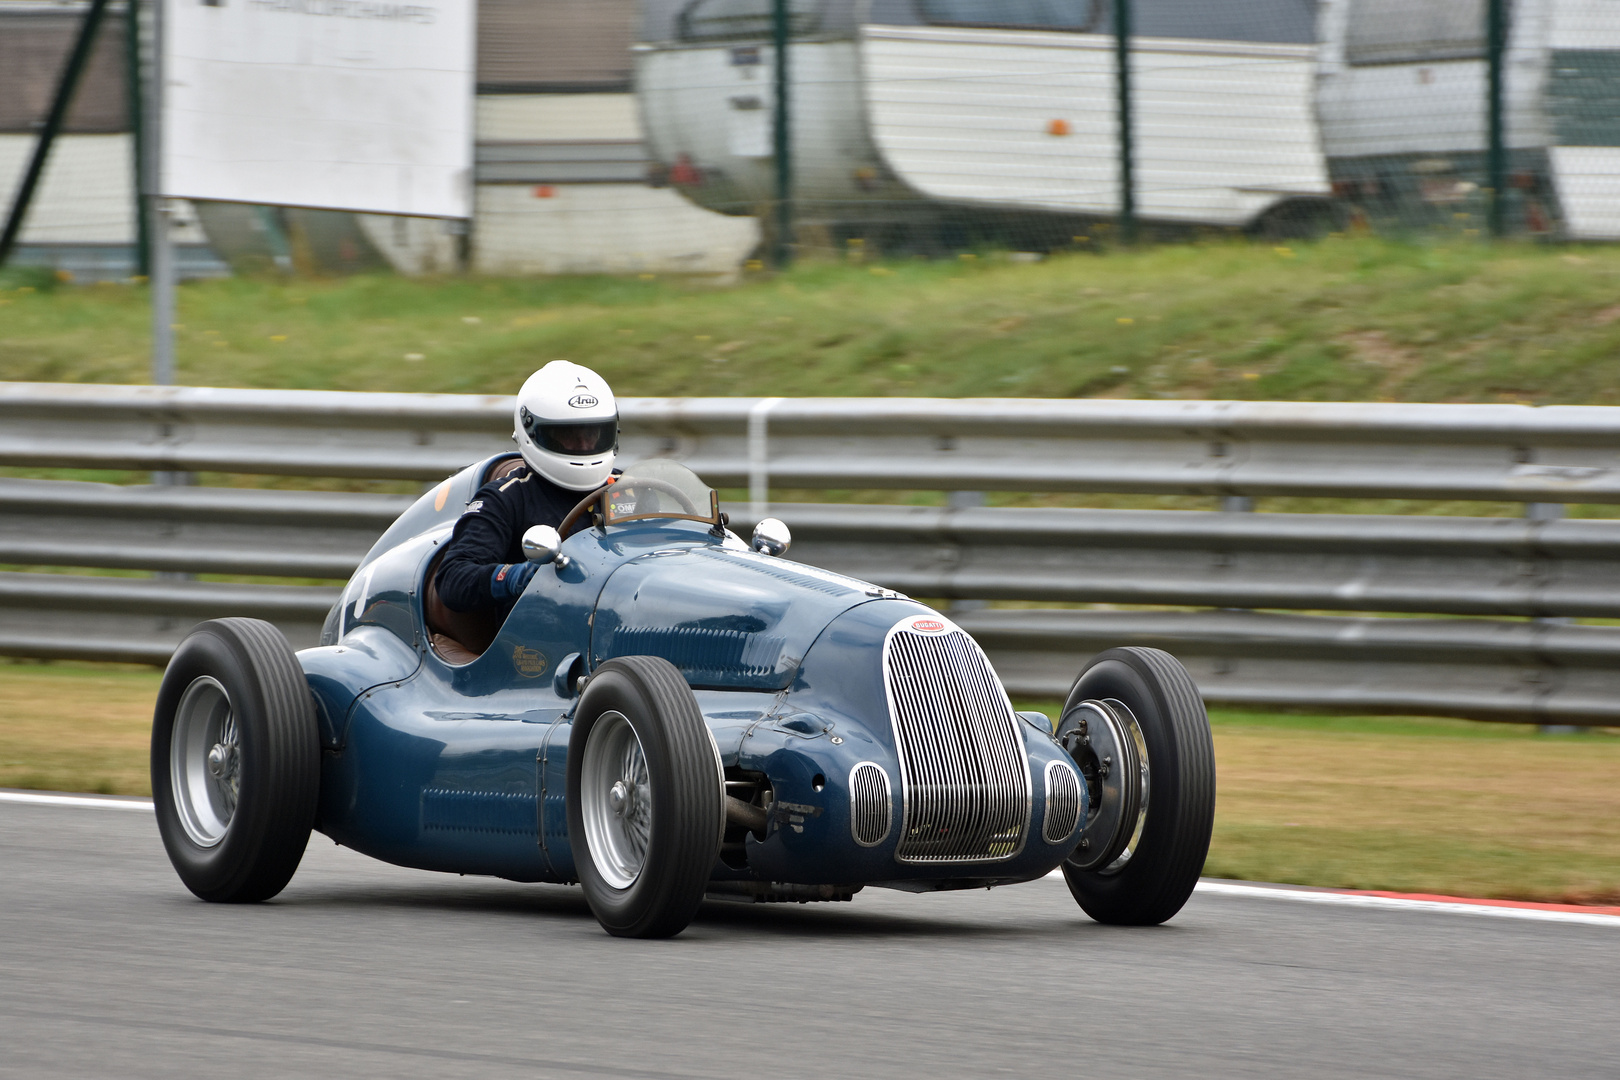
{"x":1106,"y":743}
{"x":615,"y":798}
{"x":205,"y":762}
{"x":222,"y":761}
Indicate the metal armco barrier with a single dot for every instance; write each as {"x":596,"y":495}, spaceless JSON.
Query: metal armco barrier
{"x":1492,"y":452}
{"x":1462,"y":568}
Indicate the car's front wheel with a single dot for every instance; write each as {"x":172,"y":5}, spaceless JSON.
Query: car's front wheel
{"x":645,"y":798}
{"x":235,"y":761}
{"x":1137,"y":728}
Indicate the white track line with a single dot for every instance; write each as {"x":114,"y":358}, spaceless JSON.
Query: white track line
{"x":1399,"y":903}
{"x":1208,"y":888}
{"x":99,"y":802}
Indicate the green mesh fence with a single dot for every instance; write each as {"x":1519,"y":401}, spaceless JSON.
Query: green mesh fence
{"x":664,"y":135}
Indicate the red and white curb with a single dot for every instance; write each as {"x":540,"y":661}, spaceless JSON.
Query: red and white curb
{"x":1381,"y":901}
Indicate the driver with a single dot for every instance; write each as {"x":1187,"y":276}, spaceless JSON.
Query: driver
{"x":566,"y":424}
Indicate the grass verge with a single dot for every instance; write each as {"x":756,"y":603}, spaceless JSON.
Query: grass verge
{"x":1342,"y":319}
{"x":1412,"y":805}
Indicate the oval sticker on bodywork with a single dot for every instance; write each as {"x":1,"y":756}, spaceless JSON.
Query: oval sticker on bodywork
{"x":530,"y":663}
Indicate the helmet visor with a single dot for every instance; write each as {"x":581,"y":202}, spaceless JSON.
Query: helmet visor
{"x":572,"y":440}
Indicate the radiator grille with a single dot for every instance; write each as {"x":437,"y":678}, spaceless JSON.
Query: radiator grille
{"x":1062,"y":803}
{"x":871,"y":807}
{"x":963,"y":771}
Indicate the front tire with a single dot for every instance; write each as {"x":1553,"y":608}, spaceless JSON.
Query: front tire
{"x":235,"y":761}
{"x":645,"y":798}
{"x":1145,"y":709}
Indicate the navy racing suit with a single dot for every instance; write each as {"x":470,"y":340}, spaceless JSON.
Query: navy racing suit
{"x":483,"y":568}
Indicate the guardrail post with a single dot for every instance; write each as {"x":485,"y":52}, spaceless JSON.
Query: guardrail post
{"x":964,"y":500}
{"x":1550,"y":512}
{"x":759,"y":465}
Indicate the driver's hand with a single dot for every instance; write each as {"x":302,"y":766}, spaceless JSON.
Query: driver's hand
{"x":508,"y":580}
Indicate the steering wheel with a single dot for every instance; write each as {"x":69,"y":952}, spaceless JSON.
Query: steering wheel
{"x":573,"y":517}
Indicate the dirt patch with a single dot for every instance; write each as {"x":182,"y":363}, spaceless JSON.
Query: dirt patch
{"x":65,"y":728}
{"x":1419,"y":813}
{"x":1397,"y":362}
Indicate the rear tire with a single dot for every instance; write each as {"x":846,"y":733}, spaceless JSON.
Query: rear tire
{"x":235,"y":761}
{"x":645,"y":798}
{"x":1161,"y":867}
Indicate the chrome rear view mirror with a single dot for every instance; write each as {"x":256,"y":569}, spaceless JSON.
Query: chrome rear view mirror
{"x":771,"y":537}
{"x":542,"y":544}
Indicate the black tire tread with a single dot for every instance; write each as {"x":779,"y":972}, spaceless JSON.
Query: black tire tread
{"x":688,"y":829}
{"x":293,"y":753}
{"x":1157,"y":882}
{"x":275,"y":813}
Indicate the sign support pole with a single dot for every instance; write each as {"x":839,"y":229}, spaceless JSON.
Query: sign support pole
{"x":156,"y":208}
{"x":783,"y":137}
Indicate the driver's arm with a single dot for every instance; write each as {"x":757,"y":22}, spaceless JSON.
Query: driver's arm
{"x":478,"y":571}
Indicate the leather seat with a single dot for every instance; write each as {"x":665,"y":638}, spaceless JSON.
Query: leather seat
{"x":460,"y":637}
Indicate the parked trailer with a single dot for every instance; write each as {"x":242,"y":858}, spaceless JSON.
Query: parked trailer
{"x":920,"y":108}
{"x":1402,"y":103}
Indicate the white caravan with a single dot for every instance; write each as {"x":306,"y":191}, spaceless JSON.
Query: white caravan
{"x":1402,"y":105}
{"x":930,"y":109}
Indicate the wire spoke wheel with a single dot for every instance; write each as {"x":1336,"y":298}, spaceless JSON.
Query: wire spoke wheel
{"x":235,"y":761}
{"x":645,"y":798}
{"x":616,"y":800}
{"x":205,"y":761}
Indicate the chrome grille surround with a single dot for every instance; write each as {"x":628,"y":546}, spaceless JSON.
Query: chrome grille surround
{"x":964,"y":774}
{"x":1062,"y":802}
{"x":871,"y":805}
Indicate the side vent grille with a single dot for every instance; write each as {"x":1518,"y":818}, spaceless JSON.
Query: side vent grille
{"x":871,"y":808}
{"x":1062,"y":803}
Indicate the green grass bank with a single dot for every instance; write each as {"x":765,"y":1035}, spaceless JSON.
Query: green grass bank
{"x":1355,"y":319}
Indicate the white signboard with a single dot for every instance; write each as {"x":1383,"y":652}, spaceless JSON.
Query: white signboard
{"x":344,"y":104}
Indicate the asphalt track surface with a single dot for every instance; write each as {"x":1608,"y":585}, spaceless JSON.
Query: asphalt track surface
{"x":108,"y":967}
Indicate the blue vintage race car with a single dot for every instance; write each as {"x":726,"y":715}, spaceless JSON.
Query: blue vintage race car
{"x":667,"y":714}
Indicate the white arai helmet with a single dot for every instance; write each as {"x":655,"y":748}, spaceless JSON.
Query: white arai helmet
{"x":566,"y":423}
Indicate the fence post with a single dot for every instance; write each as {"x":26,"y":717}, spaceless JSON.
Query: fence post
{"x":1496,"y":164}
{"x":782,"y":132}
{"x":1127,"y":135}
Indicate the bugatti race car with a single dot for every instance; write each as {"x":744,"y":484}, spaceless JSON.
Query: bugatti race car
{"x":668,"y":714}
